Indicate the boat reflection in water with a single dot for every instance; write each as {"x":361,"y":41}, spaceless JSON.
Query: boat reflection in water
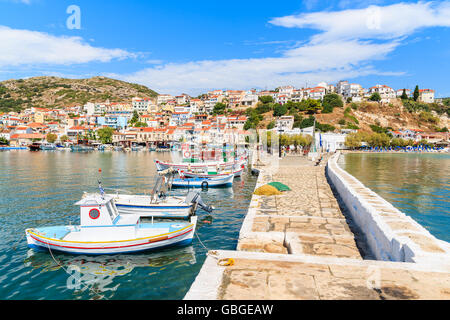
{"x":98,"y":273}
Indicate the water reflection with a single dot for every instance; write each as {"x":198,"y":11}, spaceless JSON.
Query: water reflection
{"x":98,"y":273}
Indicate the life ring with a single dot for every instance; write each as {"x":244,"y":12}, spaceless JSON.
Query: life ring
{"x":204,"y":184}
{"x":187,"y":154}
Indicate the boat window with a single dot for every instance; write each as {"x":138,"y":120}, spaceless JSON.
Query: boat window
{"x":111,"y":211}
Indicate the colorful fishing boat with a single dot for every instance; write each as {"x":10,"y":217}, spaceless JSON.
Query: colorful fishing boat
{"x":182,"y":182}
{"x":103,"y":230}
{"x":161,"y":165}
{"x":212,"y":174}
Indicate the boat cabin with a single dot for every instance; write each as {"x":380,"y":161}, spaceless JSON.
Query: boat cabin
{"x":99,"y":217}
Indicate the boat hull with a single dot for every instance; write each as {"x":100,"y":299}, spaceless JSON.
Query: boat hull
{"x":160,"y":166}
{"x":182,"y":236}
{"x":236,"y":173}
{"x":203,"y":182}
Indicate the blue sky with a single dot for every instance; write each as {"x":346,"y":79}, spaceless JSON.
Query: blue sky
{"x":194,"y":46}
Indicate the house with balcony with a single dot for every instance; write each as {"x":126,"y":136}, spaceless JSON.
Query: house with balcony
{"x":386,"y":93}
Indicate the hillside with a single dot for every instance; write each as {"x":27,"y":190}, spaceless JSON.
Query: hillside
{"x":16,"y":95}
{"x":366,"y":114}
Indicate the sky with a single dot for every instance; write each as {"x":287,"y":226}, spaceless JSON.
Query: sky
{"x":194,"y":46}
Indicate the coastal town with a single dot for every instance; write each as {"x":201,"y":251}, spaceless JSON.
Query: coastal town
{"x":216,"y":116}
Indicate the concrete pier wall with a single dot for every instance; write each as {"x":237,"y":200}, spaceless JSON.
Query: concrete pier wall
{"x":391,"y":235}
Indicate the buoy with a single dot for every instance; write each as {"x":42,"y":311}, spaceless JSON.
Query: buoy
{"x":100,"y":170}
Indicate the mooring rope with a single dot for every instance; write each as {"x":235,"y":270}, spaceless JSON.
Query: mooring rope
{"x":59,"y":264}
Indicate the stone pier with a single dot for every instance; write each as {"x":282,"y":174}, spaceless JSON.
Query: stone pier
{"x":301,"y":245}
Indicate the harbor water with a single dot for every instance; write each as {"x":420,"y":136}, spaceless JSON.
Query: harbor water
{"x":40,"y":189}
{"x":417,"y":184}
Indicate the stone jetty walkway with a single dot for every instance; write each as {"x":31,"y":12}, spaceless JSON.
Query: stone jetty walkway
{"x":308,"y":216}
{"x":299,"y":245}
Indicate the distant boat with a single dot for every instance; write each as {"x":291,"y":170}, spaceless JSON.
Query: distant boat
{"x":35,"y":146}
{"x":81,"y":148}
{"x":48,"y":146}
{"x":103,"y":230}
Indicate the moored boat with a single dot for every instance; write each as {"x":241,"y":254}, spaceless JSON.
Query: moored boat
{"x":226,"y":181}
{"x":35,"y":146}
{"x":161,"y":165}
{"x":103,"y":230}
{"x":212,"y":174}
{"x":48,"y":146}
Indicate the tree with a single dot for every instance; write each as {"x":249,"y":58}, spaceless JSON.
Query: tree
{"x":353,"y":140}
{"x":64,"y":138}
{"x":331,"y":101}
{"x":135,"y":117}
{"x":105,"y":134}
{"x":4,"y":141}
{"x":140,"y":124}
{"x":266,"y":99}
{"x":271,"y":125}
{"x":375,"y":97}
{"x":416,"y":93}
{"x":280,"y":110}
{"x":311,"y":106}
{"x":219,"y":108}
{"x":404,"y":95}
{"x":51,"y":137}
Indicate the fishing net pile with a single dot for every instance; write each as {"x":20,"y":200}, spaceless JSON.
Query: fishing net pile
{"x":271,"y":189}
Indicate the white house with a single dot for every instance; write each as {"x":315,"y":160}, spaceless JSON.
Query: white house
{"x":284,"y":123}
{"x":386,"y":93}
{"x":426,"y":95}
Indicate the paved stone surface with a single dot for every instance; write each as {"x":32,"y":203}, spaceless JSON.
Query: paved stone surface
{"x":260,"y":279}
{"x":308,"y":215}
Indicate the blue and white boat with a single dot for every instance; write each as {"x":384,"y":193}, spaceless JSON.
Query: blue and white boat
{"x":182,"y":182}
{"x":103,"y":230}
{"x":160,"y":206}
{"x":48,"y":146}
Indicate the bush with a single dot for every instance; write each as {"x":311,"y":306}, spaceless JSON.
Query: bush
{"x":271,"y":125}
{"x":331,"y":101}
{"x":354,"y":106}
{"x":375,"y":97}
{"x":342,"y":122}
{"x":280,"y":110}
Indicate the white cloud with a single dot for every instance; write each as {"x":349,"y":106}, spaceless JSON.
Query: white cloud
{"x":348,"y":41}
{"x":310,"y":63}
{"x":24,"y":47}
{"x":373,"y":22}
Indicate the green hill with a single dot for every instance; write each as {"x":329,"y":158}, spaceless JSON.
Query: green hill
{"x":54,"y":92}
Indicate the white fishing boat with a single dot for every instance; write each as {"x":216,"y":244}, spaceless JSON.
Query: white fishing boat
{"x":161,"y":165}
{"x":211,"y":174}
{"x":103,"y":230}
{"x":182,"y":182}
{"x":161,"y":206}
